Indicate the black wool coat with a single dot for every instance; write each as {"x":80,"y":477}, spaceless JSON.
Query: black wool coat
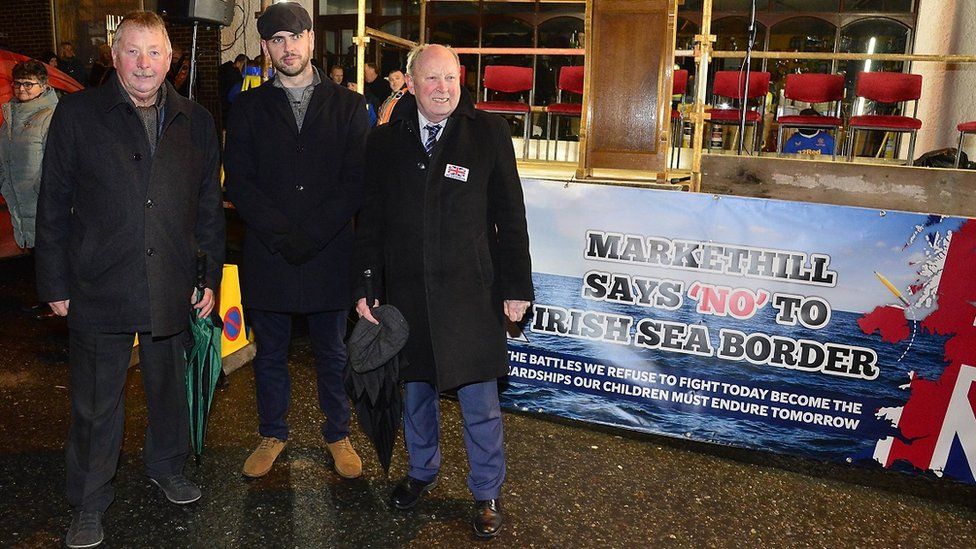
{"x":290,"y":186}
{"x":118,"y":227}
{"x":447,"y":252}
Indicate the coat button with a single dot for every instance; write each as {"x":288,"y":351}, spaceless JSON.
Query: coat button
{"x":150,"y":203}
{"x":421,"y":166}
{"x":299,"y":188}
{"x":150,"y":252}
{"x":300,"y":149}
{"x":137,"y":156}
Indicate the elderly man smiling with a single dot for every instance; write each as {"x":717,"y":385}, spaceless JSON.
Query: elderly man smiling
{"x":444,"y":228}
{"x":129,"y":195}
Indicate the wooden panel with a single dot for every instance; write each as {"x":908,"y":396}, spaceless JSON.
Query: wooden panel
{"x":913,"y":189}
{"x":628,"y":84}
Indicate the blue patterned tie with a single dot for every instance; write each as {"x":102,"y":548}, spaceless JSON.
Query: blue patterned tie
{"x":432,"y":130}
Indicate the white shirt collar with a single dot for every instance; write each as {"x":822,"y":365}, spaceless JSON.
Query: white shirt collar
{"x":423,"y":130}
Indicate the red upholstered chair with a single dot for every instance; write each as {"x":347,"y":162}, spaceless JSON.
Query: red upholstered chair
{"x":964,"y":128}
{"x":511,"y":80}
{"x":813,"y":88}
{"x":679,"y":86}
{"x":570,"y":80}
{"x":887,"y":88}
{"x":731,"y":84}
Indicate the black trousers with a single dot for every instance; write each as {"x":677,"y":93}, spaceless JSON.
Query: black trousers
{"x":99,"y":363}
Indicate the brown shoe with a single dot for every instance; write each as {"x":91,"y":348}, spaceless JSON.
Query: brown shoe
{"x":263,"y":457}
{"x":347,"y":462}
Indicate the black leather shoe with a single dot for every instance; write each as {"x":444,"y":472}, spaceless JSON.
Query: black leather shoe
{"x":409,"y":491}
{"x":487,"y":520}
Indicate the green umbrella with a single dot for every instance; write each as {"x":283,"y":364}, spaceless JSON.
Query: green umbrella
{"x":203,"y":364}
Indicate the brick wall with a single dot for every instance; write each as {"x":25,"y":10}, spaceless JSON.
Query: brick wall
{"x":208,"y":61}
{"x":25,"y":26}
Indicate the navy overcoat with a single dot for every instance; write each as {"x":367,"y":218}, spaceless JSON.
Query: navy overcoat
{"x":290,"y":186}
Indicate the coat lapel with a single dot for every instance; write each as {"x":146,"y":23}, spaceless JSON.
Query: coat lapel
{"x":321,"y":96}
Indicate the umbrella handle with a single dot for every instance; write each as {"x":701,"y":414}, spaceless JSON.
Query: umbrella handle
{"x":201,"y":270}
{"x":368,"y":287}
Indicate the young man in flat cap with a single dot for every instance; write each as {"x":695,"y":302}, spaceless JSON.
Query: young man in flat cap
{"x":294,"y":168}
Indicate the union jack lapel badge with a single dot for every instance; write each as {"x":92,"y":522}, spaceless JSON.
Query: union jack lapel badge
{"x":456,"y":172}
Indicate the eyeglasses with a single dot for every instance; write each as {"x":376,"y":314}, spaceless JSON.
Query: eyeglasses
{"x":26,"y":85}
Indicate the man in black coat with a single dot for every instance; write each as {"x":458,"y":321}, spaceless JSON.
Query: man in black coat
{"x":294,"y":166}
{"x":129,"y":194}
{"x":443,"y":226}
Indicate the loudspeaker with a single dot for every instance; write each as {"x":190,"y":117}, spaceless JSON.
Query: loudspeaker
{"x":220,"y":12}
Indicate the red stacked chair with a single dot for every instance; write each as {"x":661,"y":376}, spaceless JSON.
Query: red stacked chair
{"x":964,"y":128}
{"x":813,"y":88}
{"x":888,"y":88}
{"x":570,"y":80}
{"x":509,"y":79}
{"x":731,"y":84}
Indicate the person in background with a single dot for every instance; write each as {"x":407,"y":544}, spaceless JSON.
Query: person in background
{"x":337,"y":74}
{"x":23,"y":133}
{"x":443,"y":227}
{"x":129,"y":196}
{"x":229,"y":78}
{"x":399,"y":88}
{"x":377,"y":87}
{"x":179,"y":72}
{"x":102,"y":68}
{"x":294,"y":171}
{"x":50,"y":58}
{"x":71,"y":65}
{"x":396,"y":81}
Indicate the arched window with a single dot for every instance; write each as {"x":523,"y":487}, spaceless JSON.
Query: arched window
{"x":875,"y":35}
{"x":686,"y":32}
{"x":878,"y":5}
{"x":800,"y":34}
{"x":732,"y":34}
{"x":823,"y":6}
{"x":454,"y":31}
{"x":505,"y":31}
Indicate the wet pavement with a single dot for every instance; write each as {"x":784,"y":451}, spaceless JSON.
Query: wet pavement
{"x":569,"y":484}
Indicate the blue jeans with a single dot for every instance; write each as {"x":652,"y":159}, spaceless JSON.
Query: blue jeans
{"x":271,"y":380}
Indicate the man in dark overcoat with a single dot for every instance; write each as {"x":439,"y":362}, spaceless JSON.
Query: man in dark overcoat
{"x":443,"y":226}
{"x":294,"y":166}
{"x":129,"y":195}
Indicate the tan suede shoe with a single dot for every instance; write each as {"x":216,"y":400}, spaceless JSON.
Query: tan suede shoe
{"x":347,"y":462}
{"x":263,"y":457}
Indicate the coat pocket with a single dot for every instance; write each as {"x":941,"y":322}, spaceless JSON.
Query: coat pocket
{"x":486,"y":270}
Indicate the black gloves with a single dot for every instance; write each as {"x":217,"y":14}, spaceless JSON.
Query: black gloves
{"x":298,"y":248}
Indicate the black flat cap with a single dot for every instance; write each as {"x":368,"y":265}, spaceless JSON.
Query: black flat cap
{"x":373,"y":345}
{"x":283,"y":16}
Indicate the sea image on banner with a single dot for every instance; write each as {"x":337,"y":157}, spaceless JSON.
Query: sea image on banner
{"x":830,"y":332}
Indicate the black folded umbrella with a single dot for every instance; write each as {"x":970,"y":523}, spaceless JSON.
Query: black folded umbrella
{"x":372,"y":375}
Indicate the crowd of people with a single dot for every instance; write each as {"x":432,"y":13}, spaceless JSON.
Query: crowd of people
{"x":124,"y":180}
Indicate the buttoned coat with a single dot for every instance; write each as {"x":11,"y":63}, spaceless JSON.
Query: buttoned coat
{"x":287,"y":184}
{"x":446,"y":237}
{"x":118,"y":227}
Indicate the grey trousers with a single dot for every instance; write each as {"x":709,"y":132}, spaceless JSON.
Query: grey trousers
{"x":99,"y":363}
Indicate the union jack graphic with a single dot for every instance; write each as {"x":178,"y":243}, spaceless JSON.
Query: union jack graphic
{"x":456,"y":172}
